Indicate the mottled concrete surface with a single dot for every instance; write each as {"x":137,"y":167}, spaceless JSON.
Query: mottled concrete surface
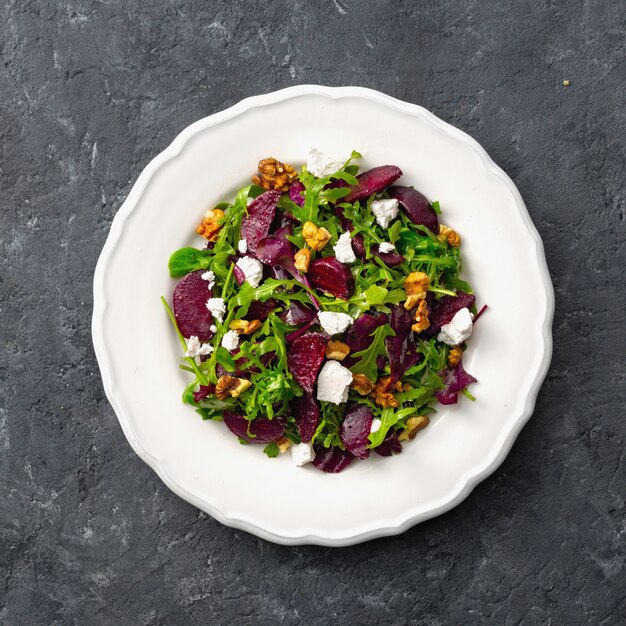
{"x":90,"y":91}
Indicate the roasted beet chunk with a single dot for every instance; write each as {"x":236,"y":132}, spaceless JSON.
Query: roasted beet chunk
{"x":304,"y":358}
{"x":256,"y":225}
{"x":446,"y":308}
{"x":306,"y":411}
{"x":331,"y":460}
{"x":416,"y":206}
{"x":373,"y":181}
{"x":355,"y":430}
{"x":330,"y":276}
{"x":402,"y":351}
{"x":190,"y":296}
{"x":359,"y":335}
{"x":390,"y":445}
{"x":262,"y":429}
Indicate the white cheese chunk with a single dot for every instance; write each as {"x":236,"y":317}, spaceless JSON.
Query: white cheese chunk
{"x":302,"y":454}
{"x":193,"y":345}
{"x":376,"y":424}
{"x":458,"y":329}
{"x":321,"y":165}
{"x":334,"y":323}
{"x":209,"y":276}
{"x":385,"y":211}
{"x":205,"y":348}
{"x":213,"y":328}
{"x":343,"y":249}
{"x":217,"y":308}
{"x":386,"y":247}
{"x":252,"y":270}
{"x":242,"y":246}
{"x":333,"y":383}
{"x":230,"y":340}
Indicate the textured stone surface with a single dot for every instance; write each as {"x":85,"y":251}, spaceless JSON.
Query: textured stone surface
{"x":90,"y":91}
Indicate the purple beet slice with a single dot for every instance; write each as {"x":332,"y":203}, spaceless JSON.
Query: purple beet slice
{"x":190,"y":296}
{"x":260,"y":310}
{"x":390,"y":445}
{"x":256,"y":224}
{"x":402,"y":350}
{"x":391,"y":259}
{"x":296,"y":192}
{"x":331,"y":460}
{"x":306,"y":411}
{"x":262,"y":429}
{"x":416,"y":206}
{"x":304,"y":358}
{"x":446,"y":308}
{"x":373,"y":181}
{"x":359,"y":335}
{"x":330,"y":276}
{"x":298,"y":313}
{"x":455,"y":380}
{"x":355,"y":430}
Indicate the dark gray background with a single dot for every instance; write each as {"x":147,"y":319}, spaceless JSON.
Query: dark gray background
{"x":90,"y":91}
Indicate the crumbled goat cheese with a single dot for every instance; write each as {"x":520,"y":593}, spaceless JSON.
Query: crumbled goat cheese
{"x":252,"y":269}
{"x":385,"y":211}
{"x":242,"y":246}
{"x":386,"y":247}
{"x":376,"y":424}
{"x":230,"y":340}
{"x":302,"y":454}
{"x":458,"y":329}
{"x":333,"y":383}
{"x":343,"y":249}
{"x":209,"y":276}
{"x":213,"y":328}
{"x":334,"y":323}
{"x":321,"y":165}
{"x":217,"y":308}
{"x":196,"y":348}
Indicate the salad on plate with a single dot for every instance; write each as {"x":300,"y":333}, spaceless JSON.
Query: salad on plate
{"x":324,"y":314}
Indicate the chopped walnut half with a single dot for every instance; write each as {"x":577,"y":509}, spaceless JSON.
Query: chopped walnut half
{"x":337,"y":350}
{"x":284,"y":444}
{"x":231,"y":386}
{"x":416,"y":284}
{"x":421,"y":318}
{"x":454,"y":356}
{"x":382,"y":395}
{"x":413,"y":425}
{"x":210,"y":227}
{"x":301,"y":259}
{"x":361,"y":384}
{"x":451,"y":236}
{"x":315,"y":237}
{"x":245,"y":327}
{"x":273,"y":174}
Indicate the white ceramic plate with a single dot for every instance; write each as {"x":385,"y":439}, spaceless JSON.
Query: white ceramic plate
{"x":138,"y":353}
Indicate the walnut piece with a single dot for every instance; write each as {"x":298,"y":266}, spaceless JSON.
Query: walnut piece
{"x":231,"y":386}
{"x":315,"y":237}
{"x":301,"y":259}
{"x":382,"y":395}
{"x":337,"y":350}
{"x":245,"y":327}
{"x":284,"y":444}
{"x":210,"y":227}
{"x":413,"y":425}
{"x":421,"y":318}
{"x":416,"y":284}
{"x":273,"y":174}
{"x":454,"y":356}
{"x":451,"y":236}
{"x":361,"y":384}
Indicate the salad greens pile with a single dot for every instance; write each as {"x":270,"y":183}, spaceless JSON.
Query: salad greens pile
{"x":263,"y":359}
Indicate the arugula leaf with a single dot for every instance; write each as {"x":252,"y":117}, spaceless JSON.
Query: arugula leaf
{"x":188,"y":260}
{"x":367,"y":358}
{"x":272,"y":450}
{"x":389,"y":417}
{"x":224,"y":358}
{"x":375,"y":295}
{"x":436,"y":207}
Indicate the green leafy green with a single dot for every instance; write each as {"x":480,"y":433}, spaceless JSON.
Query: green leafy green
{"x":272,"y":450}
{"x":188,"y":260}
{"x":366,"y":363}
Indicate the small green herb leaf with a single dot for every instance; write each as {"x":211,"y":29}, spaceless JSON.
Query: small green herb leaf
{"x":367,"y":358}
{"x":188,"y":260}
{"x":271,"y":449}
